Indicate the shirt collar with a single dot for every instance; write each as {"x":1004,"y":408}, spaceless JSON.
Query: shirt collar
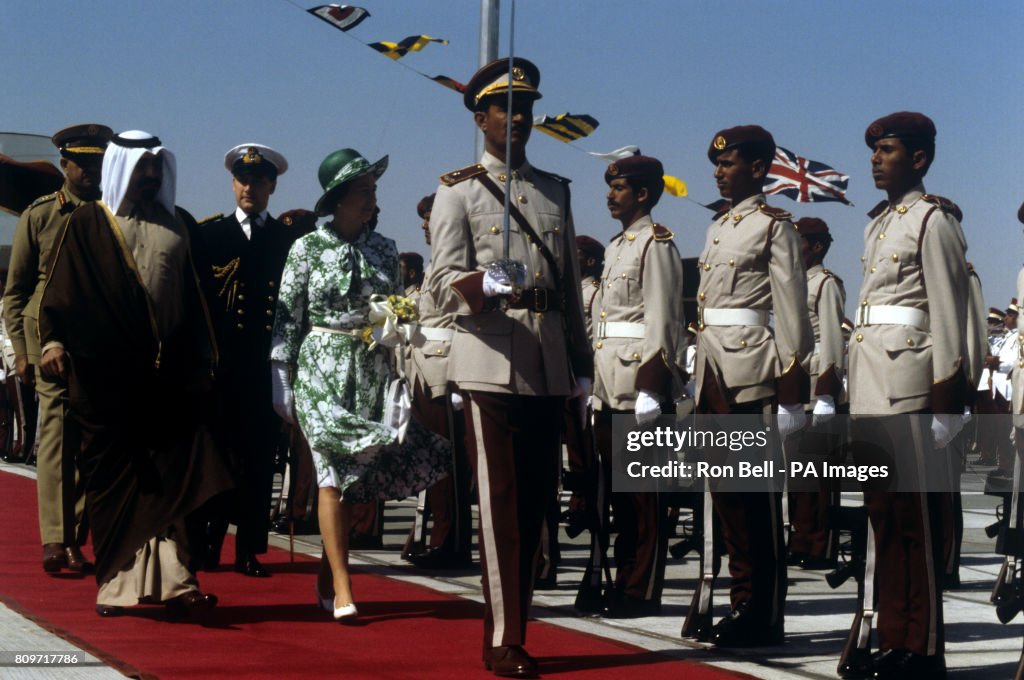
{"x":496,"y":166}
{"x":244,"y":219}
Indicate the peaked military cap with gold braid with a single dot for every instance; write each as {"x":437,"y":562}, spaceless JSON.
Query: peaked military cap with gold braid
{"x":88,"y":140}
{"x":493,"y":79}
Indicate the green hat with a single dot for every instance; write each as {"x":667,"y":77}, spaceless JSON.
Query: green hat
{"x":340,"y":167}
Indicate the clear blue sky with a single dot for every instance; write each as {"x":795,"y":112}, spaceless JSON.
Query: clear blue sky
{"x":665,"y":75}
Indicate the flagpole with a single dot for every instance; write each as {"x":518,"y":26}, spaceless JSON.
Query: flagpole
{"x":489,"y":16}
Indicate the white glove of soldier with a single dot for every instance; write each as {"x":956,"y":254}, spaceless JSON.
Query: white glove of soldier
{"x":493,"y":287}
{"x":791,"y":418}
{"x":824,"y":409}
{"x":281,"y":391}
{"x":647,"y":407}
{"x":457,"y":404}
{"x":945,"y":426}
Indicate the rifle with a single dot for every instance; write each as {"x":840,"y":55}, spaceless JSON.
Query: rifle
{"x":858,"y":563}
{"x":698,"y":622}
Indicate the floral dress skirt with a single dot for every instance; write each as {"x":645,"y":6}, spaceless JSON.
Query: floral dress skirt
{"x":339,"y":399}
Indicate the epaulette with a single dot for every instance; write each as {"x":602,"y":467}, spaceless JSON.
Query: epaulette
{"x":455,"y":176}
{"x":831,"y":274}
{"x":211,"y":218}
{"x":777,"y":213}
{"x":878,"y":209}
{"x":970,"y":269}
{"x":662,"y":233}
{"x":551,"y":175}
{"x":45,"y":198}
{"x":945,"y":205}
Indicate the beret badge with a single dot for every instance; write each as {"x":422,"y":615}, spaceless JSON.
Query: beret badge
{"x":613,"y":170}
{"x":518,"y":73}
{"x":719,"y":142}
{"x":876,"y":130}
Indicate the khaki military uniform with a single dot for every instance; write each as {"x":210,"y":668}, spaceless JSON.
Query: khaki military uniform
{"x":826,"y":299}
{"x":36,"y":237}
{"x":639,"y":344}
{"x":515,"y":366}
{"x":751,"y":268}
{"x":1017,"y":376}
{"x":908,"y":355}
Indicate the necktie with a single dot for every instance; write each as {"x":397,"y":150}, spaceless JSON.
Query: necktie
{"x":254,"y":225}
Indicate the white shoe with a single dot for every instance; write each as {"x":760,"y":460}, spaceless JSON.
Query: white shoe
{"x":346,"y":612}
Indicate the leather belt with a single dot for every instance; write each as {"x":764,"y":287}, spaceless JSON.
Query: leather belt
{"x":535,"y":299}
{"x":879,"y":315}
{"x":733,"y":317}
{"x":620,"y":329}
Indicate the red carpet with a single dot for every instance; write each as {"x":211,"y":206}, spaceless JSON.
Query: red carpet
{"x":270,"y":627}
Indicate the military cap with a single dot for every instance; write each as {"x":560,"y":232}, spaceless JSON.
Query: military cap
{"x":425,"y":205}
{"x":752,"y":136}
{"x":635,"y":166}
{"x":1013,"y":307}
{"x":809,"y":226}
{"x":493,"y":79}
{"x":590,"y":246}
{"x":299,"y":218}
{"x":902,"y":125}
{"x":89,"y":138}
{"x":255,"y":158}
{"x":1020,"y":212}
{"x":995,"y":315}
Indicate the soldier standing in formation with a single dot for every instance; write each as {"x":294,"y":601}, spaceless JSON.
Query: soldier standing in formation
{"x":61,"y":502}
{"x":811,"y":544}
{"x":908,"y":358}
{"x":639,"y":355}
{"x":521,"y":347}
{"x":750,"y":267}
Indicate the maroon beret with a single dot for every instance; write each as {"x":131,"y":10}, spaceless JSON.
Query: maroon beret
{"x":751,"y":135}
{"x":807,"y":226}
{"x":1020,"y":213}
{"x":903,"y":125}
{"x":635,"y":166}
{"x":493,"y":79}
{"x":302,"y":219}
{"x":425,"y":205}
{"x":590,"y":246}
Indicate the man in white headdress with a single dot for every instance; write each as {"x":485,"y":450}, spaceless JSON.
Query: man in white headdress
{"x":123,"y":321}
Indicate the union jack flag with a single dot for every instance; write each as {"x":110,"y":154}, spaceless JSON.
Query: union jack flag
{"x":803,"y":180}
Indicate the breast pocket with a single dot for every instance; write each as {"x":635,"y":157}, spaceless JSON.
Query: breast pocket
{"x":910,"y":354}
{"x":550,"y":231}
{"x":749,"y":356}
{"x":482,"y":348}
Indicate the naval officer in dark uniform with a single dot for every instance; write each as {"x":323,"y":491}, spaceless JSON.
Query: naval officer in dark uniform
{"x":239,"y":258}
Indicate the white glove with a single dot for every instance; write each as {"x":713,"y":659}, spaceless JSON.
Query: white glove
{"x":493,"y":287}
{"x":824,"y":409}
{"x":647,"y":407}
{"x":457,"y":404}
{"x":281,"y":391}
{"x":945,"y":426}
{"x":791,"y":418}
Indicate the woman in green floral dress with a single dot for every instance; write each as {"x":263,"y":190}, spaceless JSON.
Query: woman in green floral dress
{"x":339,"y":381}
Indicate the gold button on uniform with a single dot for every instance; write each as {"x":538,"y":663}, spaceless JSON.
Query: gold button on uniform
{"x":707,"y":267}
{"x":743,"y":343}
{"x":715,"y":241}
{"x":241,"y":312}
{"x":860,"y":338}
{"x":604,"y":314}
{"x":895,"y":257}
{"x":270,"y":312}
{"x":873,"y":270}
{"x":494,"y":230}
{"x":241,"y":297}
{"x":701,"y":296}
{"x":732,"y":262}
{"x":522,"y":199}
{"x":623,"y":274}
{"x":881,"y":236}
{"x":636,"y":355}
{"x":268,"y":328}
{"x":240,"y":327}
{"x":910,"y":343}
{"x":599,"y":344}
{"x":630,"y":237}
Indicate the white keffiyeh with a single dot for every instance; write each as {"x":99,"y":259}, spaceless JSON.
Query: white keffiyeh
{"x":119,"y":162}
